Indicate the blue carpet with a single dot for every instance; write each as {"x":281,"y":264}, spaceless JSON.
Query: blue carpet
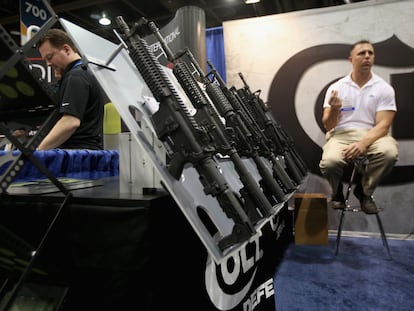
{"x":360,"y":277}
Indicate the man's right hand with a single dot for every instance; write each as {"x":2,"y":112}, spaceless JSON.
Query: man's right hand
{"x":335,"y":102}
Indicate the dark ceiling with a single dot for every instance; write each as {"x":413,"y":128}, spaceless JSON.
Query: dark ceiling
{"x":84,"y":12}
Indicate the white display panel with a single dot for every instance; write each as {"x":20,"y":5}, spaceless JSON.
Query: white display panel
{"x":128,"y":92}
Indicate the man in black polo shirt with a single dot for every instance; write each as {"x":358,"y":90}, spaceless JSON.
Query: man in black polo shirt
{"x":81,"y":100}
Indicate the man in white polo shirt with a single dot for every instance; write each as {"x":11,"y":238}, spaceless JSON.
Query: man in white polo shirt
{"x":358,"y":112}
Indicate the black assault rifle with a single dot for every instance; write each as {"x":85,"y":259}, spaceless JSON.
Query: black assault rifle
{"x":277,"y":136}
{"x":206,"y":116}
{"x":185,"y":140}
{"x":249,"y":135}
{"x":239,"y":135}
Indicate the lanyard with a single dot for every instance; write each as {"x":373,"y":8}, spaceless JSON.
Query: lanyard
{"x":78,"y":63}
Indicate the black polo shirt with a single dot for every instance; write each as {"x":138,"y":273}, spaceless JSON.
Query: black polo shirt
{"x":81,"y":96}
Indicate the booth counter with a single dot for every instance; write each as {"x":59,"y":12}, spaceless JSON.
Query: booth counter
{"x":119,"y":251}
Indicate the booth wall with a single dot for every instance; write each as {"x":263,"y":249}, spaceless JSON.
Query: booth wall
{"x":291,"y":58}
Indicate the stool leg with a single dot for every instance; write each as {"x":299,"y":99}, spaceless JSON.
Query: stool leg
{"x":383,"y":237}
{"x":338,"y":235}
{"x":347,"y":207}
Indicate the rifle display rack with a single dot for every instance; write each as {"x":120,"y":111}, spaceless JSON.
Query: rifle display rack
{"x":205,"y":185}
{"x":25,"y":100}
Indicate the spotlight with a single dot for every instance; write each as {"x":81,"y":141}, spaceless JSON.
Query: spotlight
{"x":104,"y":20}
{"x":251,"y":1}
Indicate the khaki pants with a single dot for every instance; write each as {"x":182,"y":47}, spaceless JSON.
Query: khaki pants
{"x":382,"y":155}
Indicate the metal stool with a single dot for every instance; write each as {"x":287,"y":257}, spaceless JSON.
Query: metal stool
{"x":359,"y":165}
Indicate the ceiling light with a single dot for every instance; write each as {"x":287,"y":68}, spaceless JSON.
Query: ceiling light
{"x":104,"y":20}
{"x":251,"y":1}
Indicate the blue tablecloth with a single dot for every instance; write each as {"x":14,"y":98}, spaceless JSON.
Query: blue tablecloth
{"x":84,"y":164}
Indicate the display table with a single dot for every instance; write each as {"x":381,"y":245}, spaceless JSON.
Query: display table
{"x":90,"y":164}
{"x":119,"y":251}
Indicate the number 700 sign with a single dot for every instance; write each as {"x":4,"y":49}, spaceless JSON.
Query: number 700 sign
{"x":33,"y":8}
{"x":32,"y":13}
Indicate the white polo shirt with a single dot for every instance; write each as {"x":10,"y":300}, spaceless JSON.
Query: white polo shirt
{"x":359,"y":105}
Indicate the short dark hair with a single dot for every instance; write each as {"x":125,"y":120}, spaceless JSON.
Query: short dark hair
{"x":363,"y":41}
{"x":57,"y":38}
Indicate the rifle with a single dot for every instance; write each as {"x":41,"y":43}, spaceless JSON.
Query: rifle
{"x":239,"y":135}
{"x":184,"y":139}
{"x":277,"y":135}
{"x":248,"y":135}
{"x":206,"y":116}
